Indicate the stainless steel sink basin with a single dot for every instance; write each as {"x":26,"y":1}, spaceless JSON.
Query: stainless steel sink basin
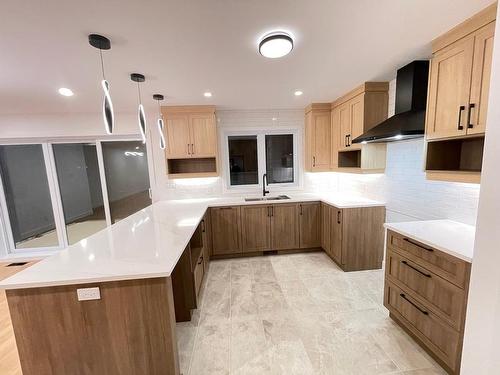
{"x":276,"y":198}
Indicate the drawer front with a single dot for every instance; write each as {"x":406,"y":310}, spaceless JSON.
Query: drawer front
{"x":198,"y":274}
{"x":439,"y":337}
{"x":447,"y":298}
{"x":449,"y":267}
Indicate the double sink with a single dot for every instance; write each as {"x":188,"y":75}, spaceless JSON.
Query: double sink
{"x":275,"y":198}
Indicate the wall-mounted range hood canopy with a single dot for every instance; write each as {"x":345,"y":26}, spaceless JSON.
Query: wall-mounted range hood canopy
{"x":411,"y":102}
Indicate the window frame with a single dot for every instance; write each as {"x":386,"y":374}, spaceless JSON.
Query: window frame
{"x":55,"y":195}
{"x":261,"y":160}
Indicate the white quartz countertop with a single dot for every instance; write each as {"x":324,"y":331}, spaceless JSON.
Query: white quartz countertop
{"x":146,"y":244}
{"x":454,"y":238}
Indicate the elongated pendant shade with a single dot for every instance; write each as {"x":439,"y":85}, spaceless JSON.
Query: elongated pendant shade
{"x":142,"y":122}
{"x":107,"y":108}
{"x":161,"y":125}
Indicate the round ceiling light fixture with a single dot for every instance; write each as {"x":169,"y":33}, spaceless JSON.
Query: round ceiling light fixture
{"x":64,"y":91}
{"x":275,"y":45}
{"x":298,"y":93}
{"x":207,"y":94}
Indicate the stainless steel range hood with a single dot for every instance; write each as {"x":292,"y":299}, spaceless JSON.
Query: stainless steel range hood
{"x":411,"y":101}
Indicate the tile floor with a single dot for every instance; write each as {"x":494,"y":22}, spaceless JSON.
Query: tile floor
{"x":295,"y":314}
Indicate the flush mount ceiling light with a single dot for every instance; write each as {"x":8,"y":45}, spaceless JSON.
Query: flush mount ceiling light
{"x":141,"y":117}
{"x":298,"y":93}
{"x":102,"y":43}
{"x":207,"y":94}
{"x":276,"y":44}
{"x":161,"y":126}
{"x":65,"y":91}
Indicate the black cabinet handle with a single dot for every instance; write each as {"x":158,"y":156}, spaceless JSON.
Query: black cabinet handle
{"x":272,"y":210}
{"x":402,"y":295}
{"x":460,"y":110}
{"x":418,"y":245}
{"x":348,"y":140}
{"x":416,"y":269}
{"x":314,"y":161}
{"x":300,"y":209}
{"x":200,"y":261}
{"x":345,"y":141}
{"x":338,"y":217}
{"x":469,"y":124}
{"x":203,"y":225}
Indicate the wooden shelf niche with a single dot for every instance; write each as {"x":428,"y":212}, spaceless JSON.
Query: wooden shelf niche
{"x":458,"y":159}
{"x":370,"y":158}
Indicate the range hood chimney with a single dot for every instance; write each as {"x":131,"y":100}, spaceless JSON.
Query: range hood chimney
{"x":411,"y":101}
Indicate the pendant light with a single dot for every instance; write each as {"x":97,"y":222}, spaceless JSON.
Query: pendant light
{"x":161,"y":126}
{"x":102,"y":43}
{"x":141,"y":117}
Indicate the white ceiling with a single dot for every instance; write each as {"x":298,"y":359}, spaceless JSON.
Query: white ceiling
{"x":186,"y":47}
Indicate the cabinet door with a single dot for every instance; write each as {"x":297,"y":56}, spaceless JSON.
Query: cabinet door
{"x":325,"y":227}
{"x":177,"y":127}
{"x":344,"y":121}
{"x":481,"y":72}
{"x":203,"y":135}
{"x":206,"y":230}
{"x":256,"y":228}
{"x":321,"y":141}
{"x":226,"y":230}
{"x":357,"y":112}
{"x":449,"y":89}
{"x":335,"y":143}
{"x":309,"y":225}
{"x":284,"y":227}
{"x":336,"y":234}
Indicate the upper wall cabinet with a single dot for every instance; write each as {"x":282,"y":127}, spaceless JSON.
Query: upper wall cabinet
{"x":457,"y":104}
{"x":318,"y":137}
{"x":191,"y":135}
{"x":352,"y":115}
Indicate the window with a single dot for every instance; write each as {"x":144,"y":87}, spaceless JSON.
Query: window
{"x":251,"y":154}
{"x":55,"y":194}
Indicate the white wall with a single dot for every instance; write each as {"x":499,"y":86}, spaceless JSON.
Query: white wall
{"x":481,"y":352}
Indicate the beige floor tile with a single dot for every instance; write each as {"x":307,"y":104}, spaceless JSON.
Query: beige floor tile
{"x":211,"y":351}
{"x":248,"y":347}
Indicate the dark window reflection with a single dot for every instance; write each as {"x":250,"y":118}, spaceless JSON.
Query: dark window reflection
{"x":243,"y":160}
{"x":279,"y":158}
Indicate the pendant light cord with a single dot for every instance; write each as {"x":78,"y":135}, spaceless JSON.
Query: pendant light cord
{"x":159,"y":109}
{"x":139,"y":90}
{"x":102,"y":65}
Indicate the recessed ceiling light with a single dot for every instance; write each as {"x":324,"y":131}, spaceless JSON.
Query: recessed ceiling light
{"x":276,"y":44}
{"x":298,"y":93}
{"x":207,"y":94}
{"x":65,"y":92}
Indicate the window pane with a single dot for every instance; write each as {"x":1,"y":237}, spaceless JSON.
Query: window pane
{"x":80,"y":188}
{"x":243,"y":160}
{"x":279,"y":158}
{"x":127,"y":178}
{"x":28,"y":196}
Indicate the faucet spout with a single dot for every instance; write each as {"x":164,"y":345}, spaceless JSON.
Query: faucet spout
{"x":264,"y":183}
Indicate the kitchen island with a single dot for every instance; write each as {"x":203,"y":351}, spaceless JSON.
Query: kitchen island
{"x":108,"y":304}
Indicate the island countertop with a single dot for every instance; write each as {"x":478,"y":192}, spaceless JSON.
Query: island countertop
{"x":449,"y":236}
{"x":147,"y":244}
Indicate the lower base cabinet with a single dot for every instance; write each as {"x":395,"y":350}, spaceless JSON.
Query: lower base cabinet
{"x":310,"y":225}
{"x":284,"y":226}
{"x":226,"y":230}
{"x":356,"y":237}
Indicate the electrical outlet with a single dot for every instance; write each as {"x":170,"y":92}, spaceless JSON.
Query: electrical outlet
{"x":88,"y":294}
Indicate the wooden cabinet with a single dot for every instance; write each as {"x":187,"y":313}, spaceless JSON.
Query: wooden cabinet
{"x":356,"y":237}
{"x":358,"y":111}
{"x":256,"y":228}
{"x":426,"y":293}
{"x":457,"y":103}
{"x":226,"y":230}
{"x":325,"y":227}
{"x":309,"y":225}
{"x":284,"y":226}
{"x":206,"y":225}
{"x":191,"y":135}
{"x":318,"y":137}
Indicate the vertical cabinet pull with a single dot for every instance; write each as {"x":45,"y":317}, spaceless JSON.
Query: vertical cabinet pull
{"x":338,"y":217}
{"x":192,"y":148}
{"x":189,"y":152}
{"x":300,"y":212}
{"x":469,"y":124}
{"x":272,"y":210}
{"x":203,"y":225}
{"x":348,"y":140}
{"x":460,"y":110}
{"x":314,"y":161}
{"x":345,"y":141}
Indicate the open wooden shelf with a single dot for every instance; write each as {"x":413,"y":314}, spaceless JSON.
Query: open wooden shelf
{"x":459,"y":159}
{"x":192,"y":167}
{"x":350,"y":159}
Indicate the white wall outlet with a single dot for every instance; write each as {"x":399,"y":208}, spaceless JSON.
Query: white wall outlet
{"x":88,"y":294}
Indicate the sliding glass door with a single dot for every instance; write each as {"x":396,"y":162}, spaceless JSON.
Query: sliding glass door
{"x":55,"y":194}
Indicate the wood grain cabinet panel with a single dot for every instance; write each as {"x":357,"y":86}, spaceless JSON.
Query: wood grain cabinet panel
{"x":318,"y":137}
{"x":325,"y":227}
{"x":256,"y":228}
{"x":309,"y":225}
{"x":344,"y":124}
{"x":226,"y":230}
{"x":449,"y":89}
{"x":447,"y":298}
{"x":203,"y":135}
{"x":178,"y":136}
{"x":284,"y":226}
{"x":336,"y":234}
{"x":481,"y":74}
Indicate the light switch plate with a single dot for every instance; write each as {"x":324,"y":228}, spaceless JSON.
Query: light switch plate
{"x":88,"y":294}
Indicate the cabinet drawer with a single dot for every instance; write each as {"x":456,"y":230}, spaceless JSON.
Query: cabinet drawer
{"x":447,"y":298}
{"x":439,"y":337}
{"x":198,"y":274}
{"x":450,"y":268}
